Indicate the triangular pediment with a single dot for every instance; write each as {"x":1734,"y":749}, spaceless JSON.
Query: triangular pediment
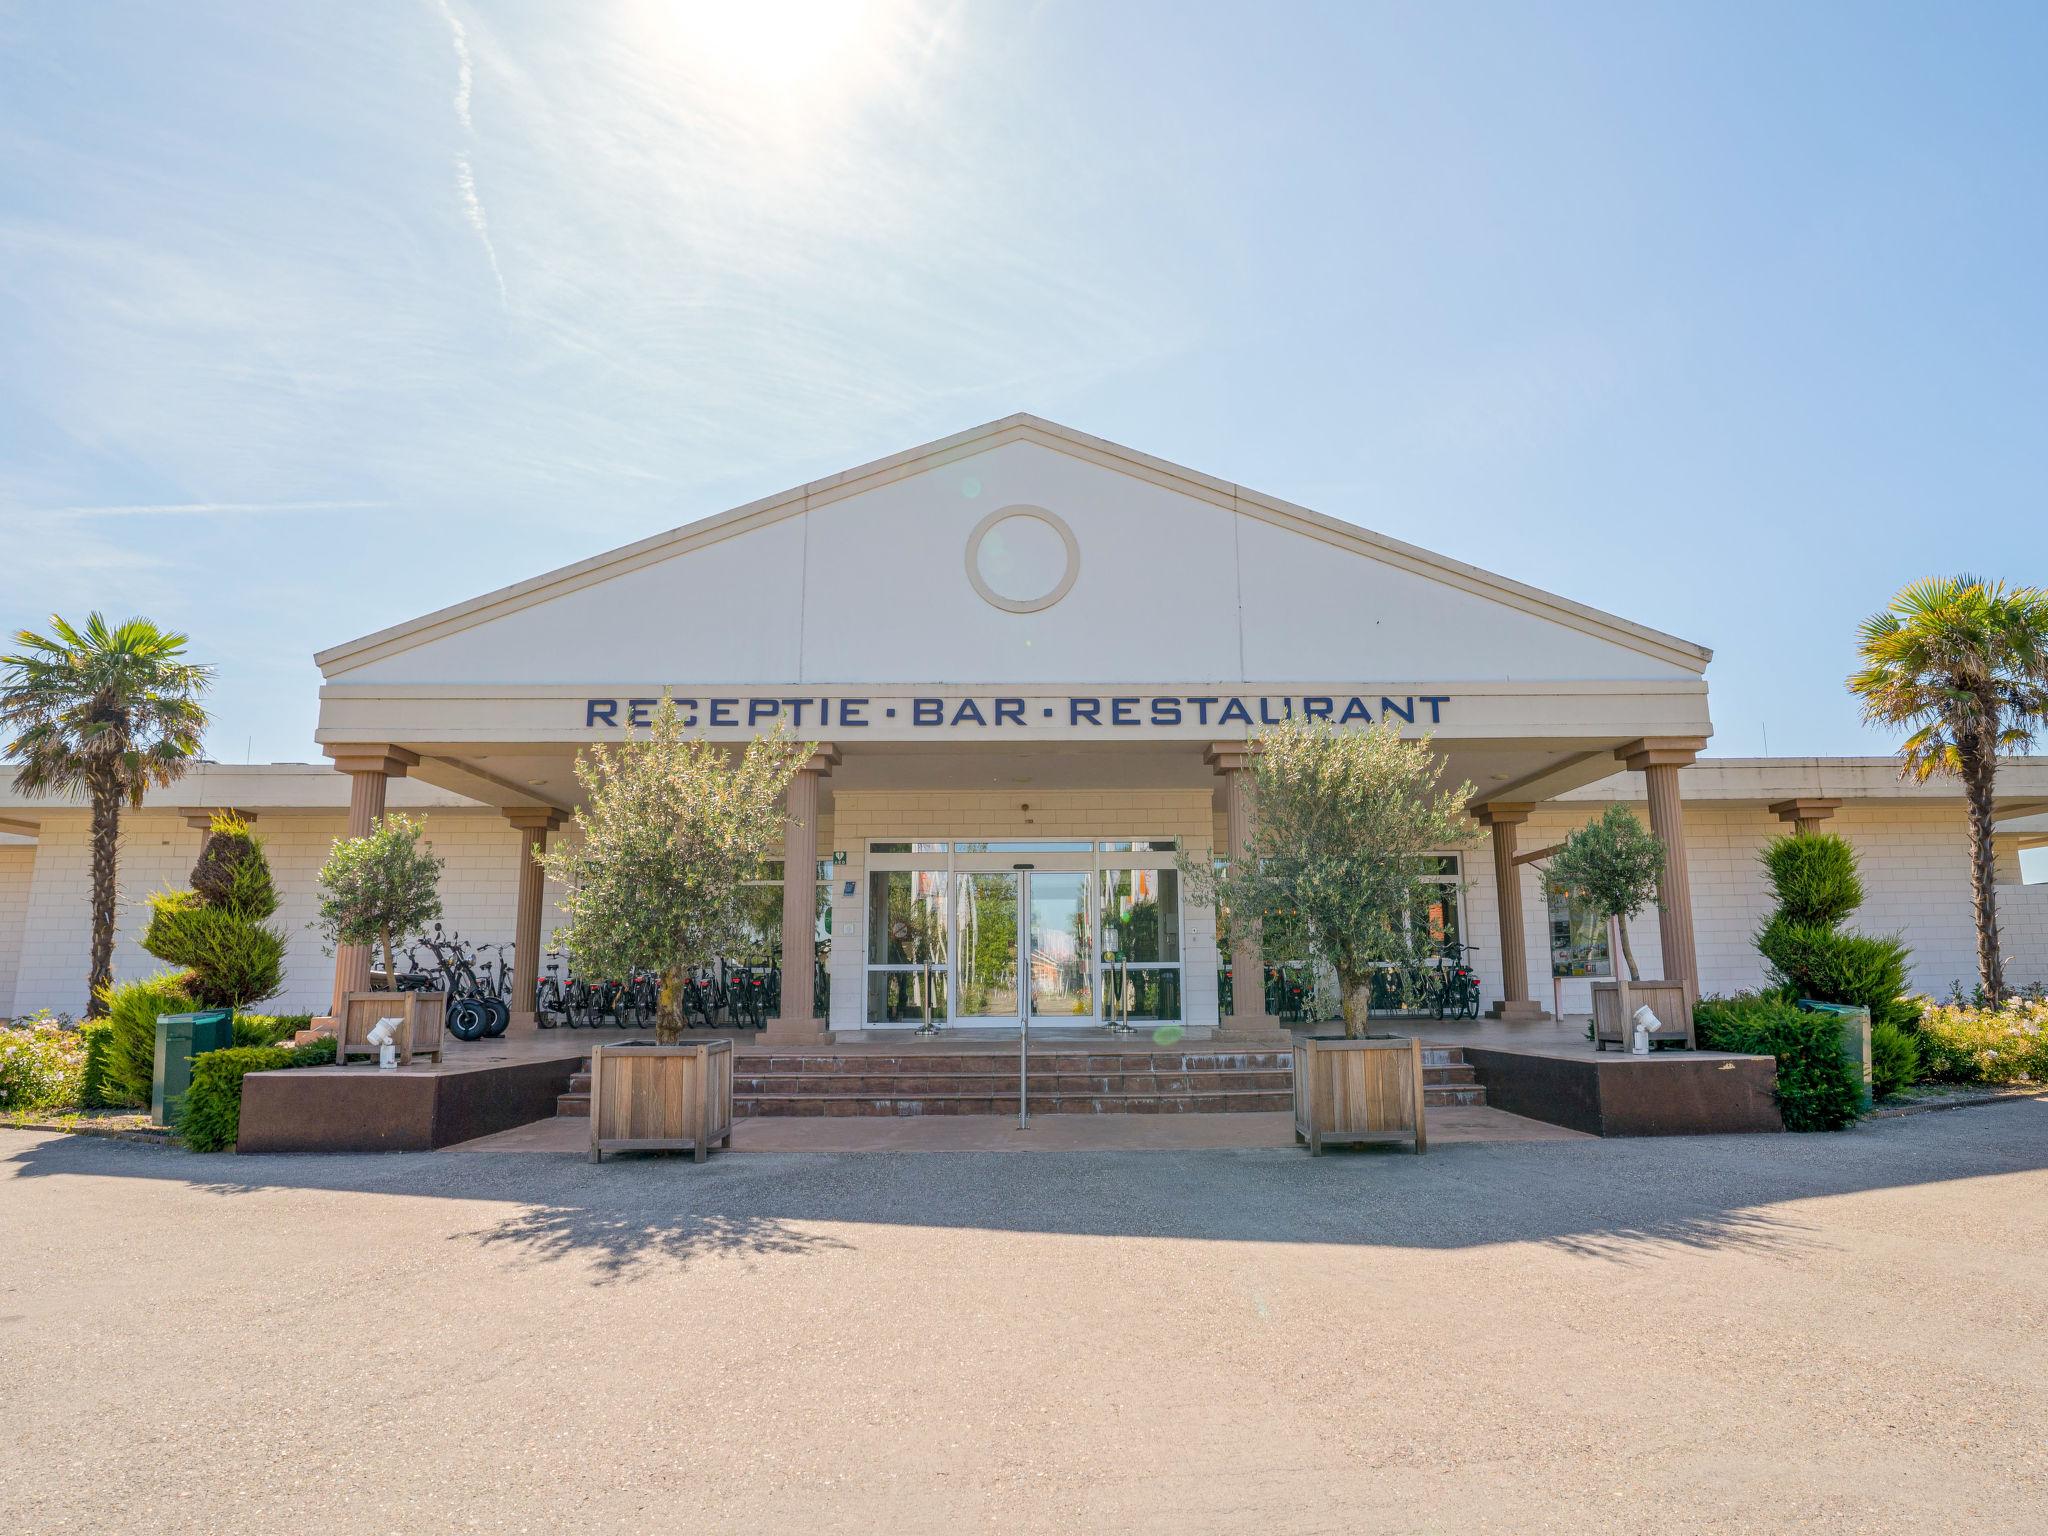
{"x":934,"y":566}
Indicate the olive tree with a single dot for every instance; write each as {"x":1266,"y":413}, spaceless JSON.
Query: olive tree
{"x":1342,"y":827}
{"x":1613,"y":864}
{"x":670,"y":828}
{"x":374,"y":888}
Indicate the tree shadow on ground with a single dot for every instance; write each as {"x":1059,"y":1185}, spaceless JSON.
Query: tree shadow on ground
{"x":624,"y":1245}
{"x":1614,"y":1201}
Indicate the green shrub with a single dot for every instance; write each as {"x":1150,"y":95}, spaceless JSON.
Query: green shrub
{"x":131,"y":1010}
{"x":42,"y":1062}
{"x":97,"y":1037}
{"x":216,"y":930}
{"x":212,"y":1117}
{"x":1985,"y":1045}
{"x":1814,"y":877}
{"x":1815,"y":880}
{"x":268,"y":1028}
{"x":1818,"y":1089}
{"x":1894,"y":1060}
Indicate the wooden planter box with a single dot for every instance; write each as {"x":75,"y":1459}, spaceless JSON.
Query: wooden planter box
{"x":1615,"y":1004}
{"x":660,"y":1098}
{"x":1358,"y":1091}
{"x":422,"y":1013}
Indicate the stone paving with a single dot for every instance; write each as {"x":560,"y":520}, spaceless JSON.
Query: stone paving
{"x":1821,"y":1334}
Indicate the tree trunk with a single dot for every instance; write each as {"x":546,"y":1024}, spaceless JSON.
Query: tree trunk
{"x":668,"y":1016}
{"x":1357,"y":1004}
{"x":1627,"y":952}
{"x":106,"y":841}
{"x":390,"y":963}
{"x":1979,"y":771}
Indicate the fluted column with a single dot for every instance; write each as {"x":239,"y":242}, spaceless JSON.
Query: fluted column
{"x":793,"y":1024}
{"x":1658,"y":759}
{"x":533,"y":827}
{"x":1515,"y":1005}
{"x":1232,"y":760}
{"x":369,"y":768}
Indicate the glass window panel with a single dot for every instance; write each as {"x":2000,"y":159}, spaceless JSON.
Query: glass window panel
{"x":1026,"y":845}
{"x":899,"y":997}
{"x":894,"y":847}
{"x":1578,"y":936}
{"x":1062,"y":955}
{"x":761,"y":921}
{"x":906,"y":916}
{"x":1151,"y":993}
{"x":1140,"y":845}
{"x":1434,"y":923}
{"x":1141,"y":915}
{"x":988,"y":945}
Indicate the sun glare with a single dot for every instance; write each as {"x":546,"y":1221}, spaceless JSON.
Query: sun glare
{"x":791,"y":49}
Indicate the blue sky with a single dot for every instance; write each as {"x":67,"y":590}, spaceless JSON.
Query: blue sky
{"x":1729,"y":318}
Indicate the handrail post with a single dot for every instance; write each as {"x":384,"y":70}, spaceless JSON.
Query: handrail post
{"x":1024,"y":1069}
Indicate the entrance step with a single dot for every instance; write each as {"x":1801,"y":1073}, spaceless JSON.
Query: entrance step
{"x":1063,"y":1082}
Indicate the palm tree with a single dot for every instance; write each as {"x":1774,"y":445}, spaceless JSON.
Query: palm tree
{"x":111,"y":710}
{"x":1963,"y":663}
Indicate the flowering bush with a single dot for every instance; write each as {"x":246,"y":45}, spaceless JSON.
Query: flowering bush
{"x":1962,"y":1044}
{"x":42,"y":1065}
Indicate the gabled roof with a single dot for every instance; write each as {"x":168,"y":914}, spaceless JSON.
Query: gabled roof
{"x":1021,"y":427}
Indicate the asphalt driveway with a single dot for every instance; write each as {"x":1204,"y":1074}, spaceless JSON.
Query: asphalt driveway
{"x":1734,"y":1334}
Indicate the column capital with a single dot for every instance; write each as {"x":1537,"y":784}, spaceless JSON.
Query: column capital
{"x":1805,"y":808}
{"x":200,"y":819}
{"x":823,"y":759}
{"x":531,"y":818}
{"x":1660,"y":752}
{"x":1231,"y":756}
{"x":1502,"y":813}
{"x":372,"y":757}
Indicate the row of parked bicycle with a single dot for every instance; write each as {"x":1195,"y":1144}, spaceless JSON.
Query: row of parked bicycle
{"x":478,"y":979}
{"x":1443,"y":984}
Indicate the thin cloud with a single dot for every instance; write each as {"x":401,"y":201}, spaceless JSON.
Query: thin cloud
{"x":211,"y":508}
{"x":465,"y":173}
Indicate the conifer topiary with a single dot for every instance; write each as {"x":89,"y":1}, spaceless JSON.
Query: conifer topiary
{"x":1818,"y":886}
{"x":217,"y":931}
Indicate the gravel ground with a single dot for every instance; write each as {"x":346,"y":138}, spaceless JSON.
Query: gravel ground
{"x":1820,"y":1333}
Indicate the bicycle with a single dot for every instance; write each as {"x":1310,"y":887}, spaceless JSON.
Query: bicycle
{"x":1455,"y":993}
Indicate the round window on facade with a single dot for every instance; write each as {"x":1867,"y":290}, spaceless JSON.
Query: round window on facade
{"x":1022,"y":558}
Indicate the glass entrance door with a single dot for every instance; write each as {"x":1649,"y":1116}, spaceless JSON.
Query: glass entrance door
{"x":1023,"y":940}
{"x":1060,"y":947}
{"x":987,"y":949}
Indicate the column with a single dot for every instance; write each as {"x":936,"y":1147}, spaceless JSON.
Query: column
{"x":1806,"y":813}
{"x":1248,"y":1016}
{"x":1658,"y":759}
{"x":793,"y":1024}
{"x":533,"y":825}
{"x":1515,"y":1006}
{"x":369,"y":767}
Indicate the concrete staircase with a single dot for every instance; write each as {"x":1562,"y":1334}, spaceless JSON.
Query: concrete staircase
{"x":1064,"y":1081}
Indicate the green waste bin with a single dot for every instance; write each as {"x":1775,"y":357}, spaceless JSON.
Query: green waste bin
{"x":180,"y":1037}
{"x":1855,"y":1021}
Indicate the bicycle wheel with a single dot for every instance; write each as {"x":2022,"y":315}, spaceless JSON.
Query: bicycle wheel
{"x":497,"y":1015}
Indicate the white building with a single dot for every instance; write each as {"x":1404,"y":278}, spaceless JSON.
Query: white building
{"x":1031,"y":660}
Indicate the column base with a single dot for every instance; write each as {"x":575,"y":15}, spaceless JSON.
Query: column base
{"x":793,"y":1034}
{"x":1518,"y":1010}
{"x":523,"y":1023}
{"x":1253,"y":1029}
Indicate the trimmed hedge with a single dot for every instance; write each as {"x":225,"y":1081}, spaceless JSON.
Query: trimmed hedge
{"x":212,"y":1117}
{"x":1818,"y":1089}
{"x":1814,"y":877}
{"x":268,"y":1028}
{"x":132,"y":1008}
{"x":98,"y":1035}
{"x":1894,"y":1060}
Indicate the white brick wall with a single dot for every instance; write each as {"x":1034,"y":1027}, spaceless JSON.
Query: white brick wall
{"x":1915,"y":863}
{"x":17,"y":873}
{"x":478,"y":892}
